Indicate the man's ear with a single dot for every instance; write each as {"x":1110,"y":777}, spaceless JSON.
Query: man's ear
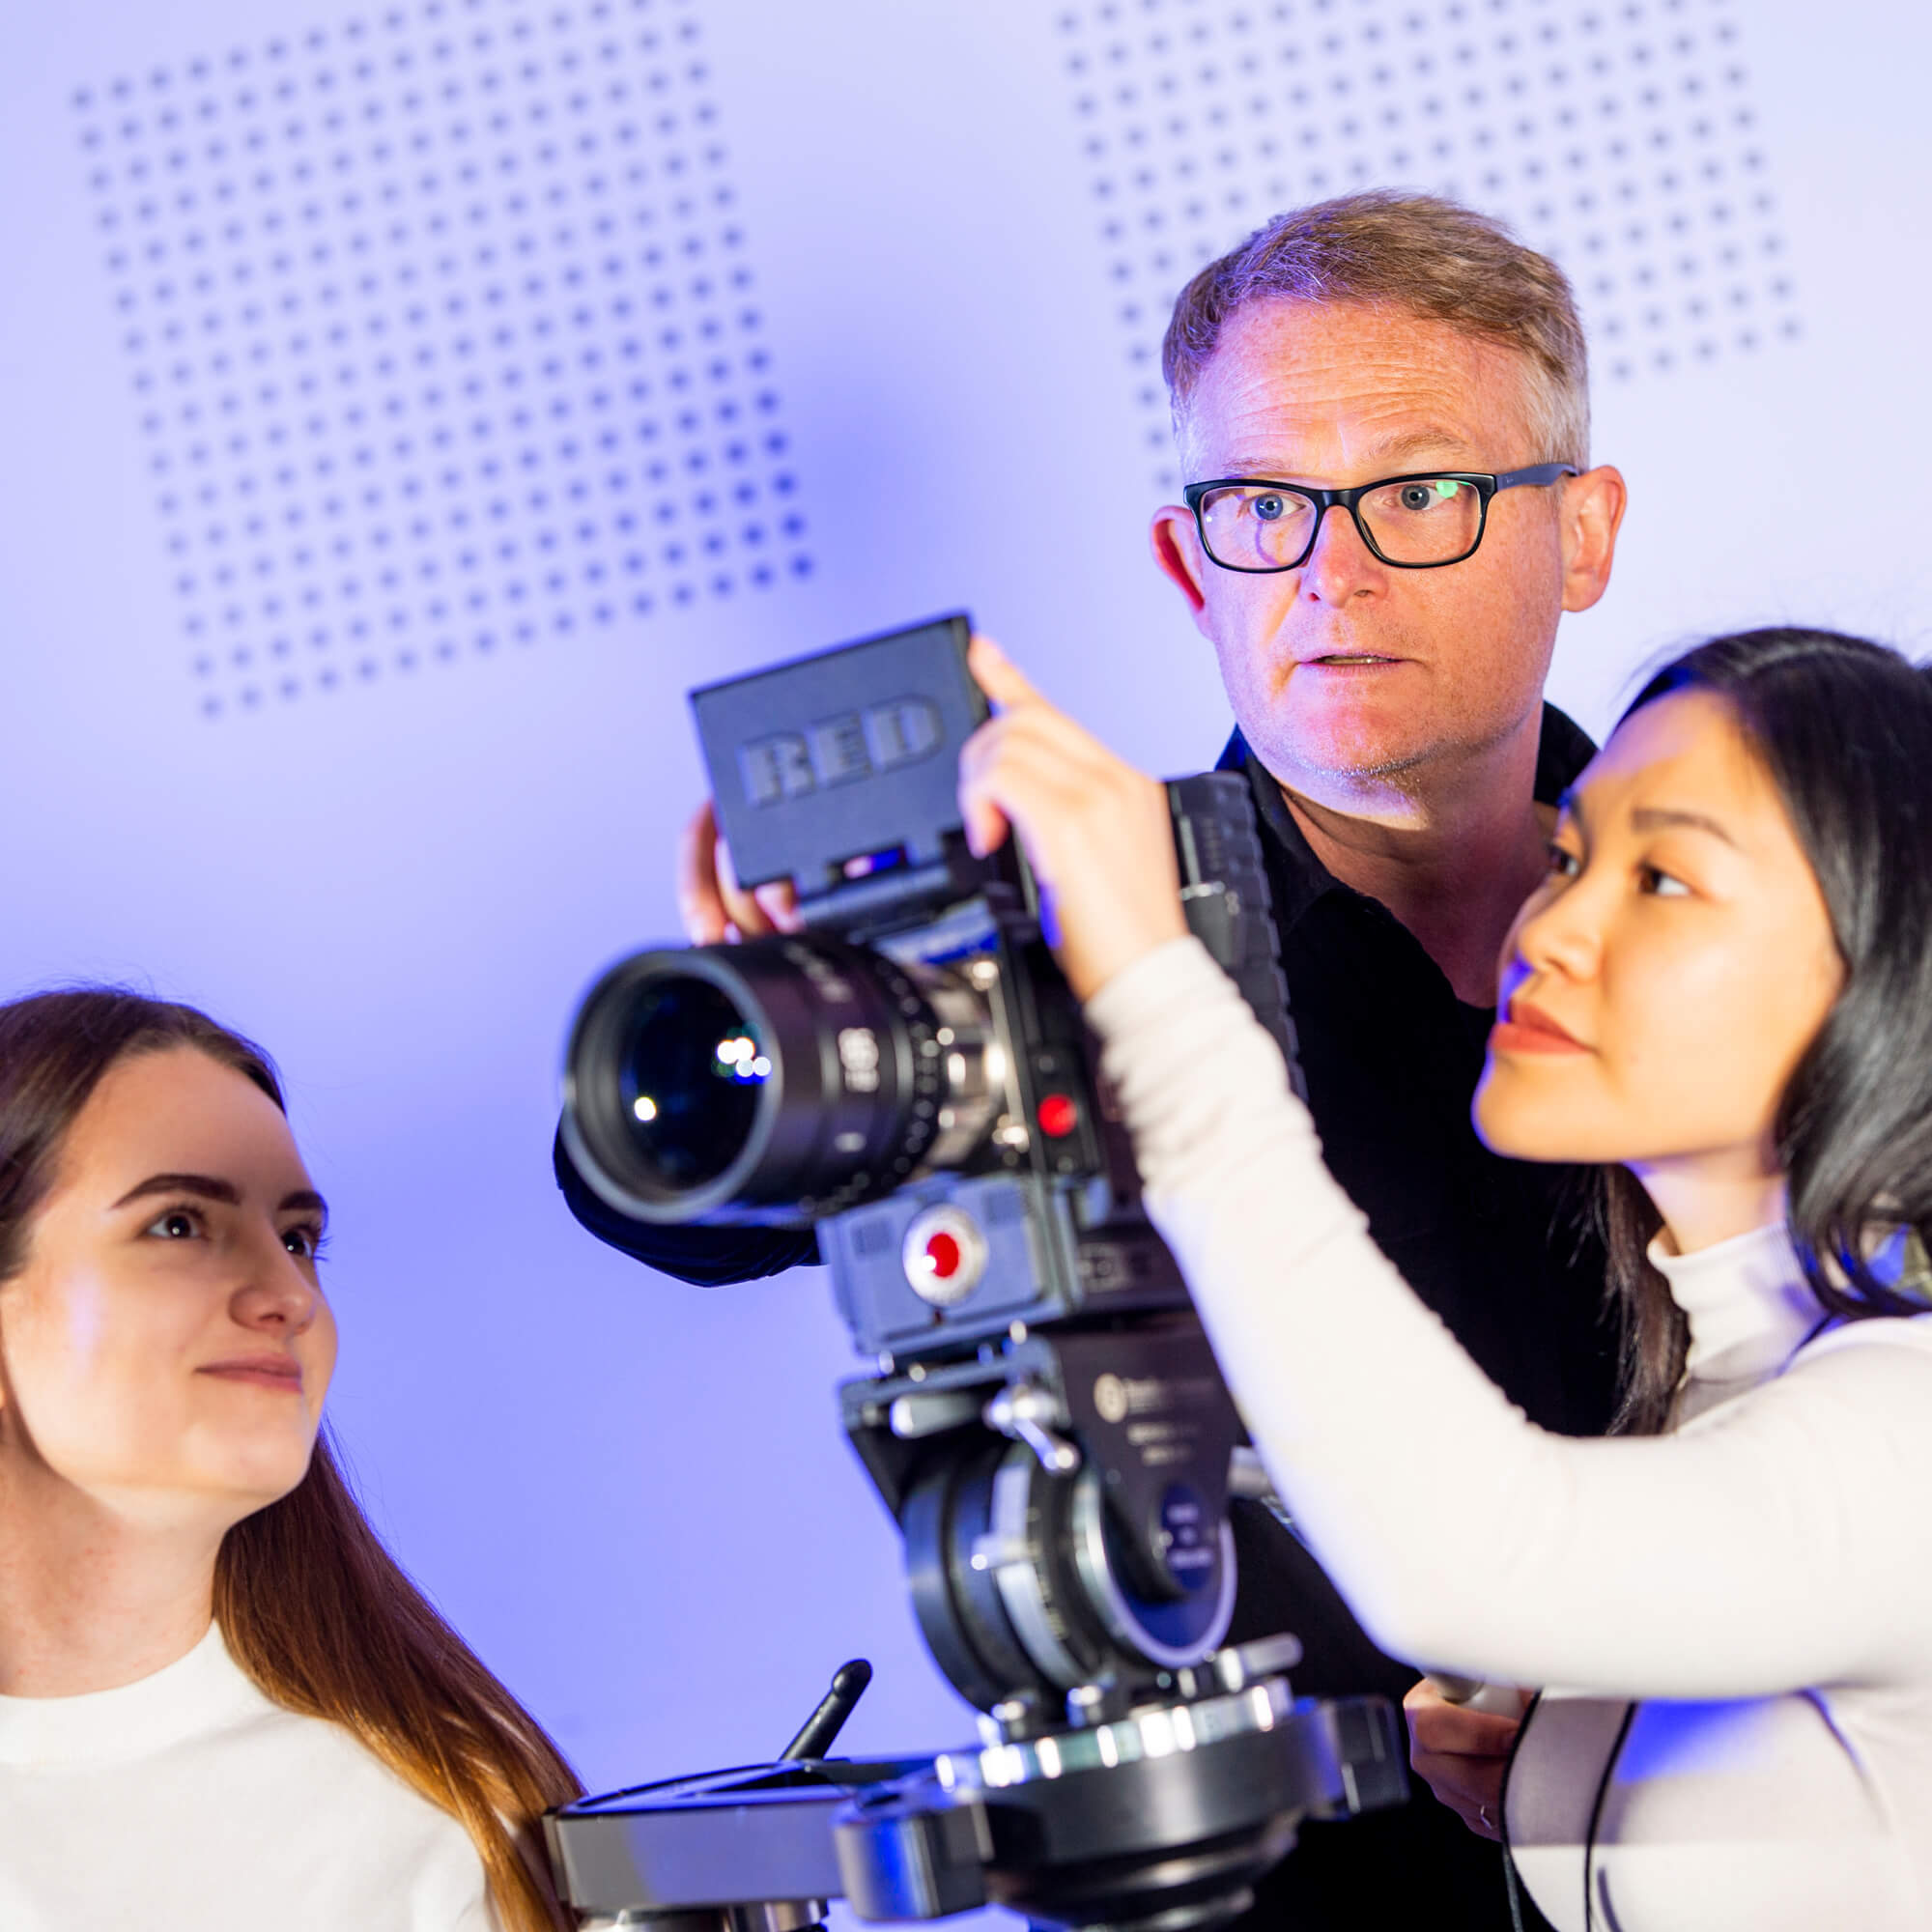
{"x":1592,"y":508}
{"x":1176,"y":549}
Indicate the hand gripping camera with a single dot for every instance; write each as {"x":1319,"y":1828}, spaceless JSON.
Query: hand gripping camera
{"x":911,"y":1075}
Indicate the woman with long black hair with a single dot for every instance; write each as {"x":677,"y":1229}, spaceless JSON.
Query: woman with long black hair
{"x":1722,"y":996}
{"x":223,"y":1707}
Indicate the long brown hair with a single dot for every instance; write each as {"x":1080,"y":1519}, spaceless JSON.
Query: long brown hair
{"x":312,"y":1606}
{"x":1844,"y":728}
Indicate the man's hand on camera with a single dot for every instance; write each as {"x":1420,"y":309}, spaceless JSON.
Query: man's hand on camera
{"x":1097,"y":833}
{"x":711,"y":902}
{"x":1461,"y":1754}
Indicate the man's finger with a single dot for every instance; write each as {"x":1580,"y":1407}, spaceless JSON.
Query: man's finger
{"x":740,"y":907}
{"x":1453,"y":1771}
{"x":700,"y":910}
{"x":779,"y":902}
{"x":1461,"y":1732}
{"x":1470,"y":1787}
{"x":1465,"y":1734}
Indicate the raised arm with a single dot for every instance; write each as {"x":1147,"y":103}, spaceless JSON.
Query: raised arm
{"x":1774,"y":1548}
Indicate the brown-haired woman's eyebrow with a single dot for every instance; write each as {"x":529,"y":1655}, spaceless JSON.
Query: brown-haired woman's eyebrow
{"x":204,"y":1185}
{"x":210,"y":1188}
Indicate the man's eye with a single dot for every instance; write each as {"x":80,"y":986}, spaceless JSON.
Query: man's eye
{"x":1270,"y":509}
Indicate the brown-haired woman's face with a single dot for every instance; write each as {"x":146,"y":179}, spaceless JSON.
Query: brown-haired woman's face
{"x":166,"y":1347}
{"x":1659,"y":988}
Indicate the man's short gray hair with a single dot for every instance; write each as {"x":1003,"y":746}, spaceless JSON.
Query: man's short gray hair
{"x":1418,"y":252}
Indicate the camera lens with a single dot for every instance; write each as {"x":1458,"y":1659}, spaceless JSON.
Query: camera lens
{"x":787,"y":1076}
{"x":689,"y":1080}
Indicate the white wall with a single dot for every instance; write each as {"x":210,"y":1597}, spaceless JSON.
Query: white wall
{"x":633,"y":1495}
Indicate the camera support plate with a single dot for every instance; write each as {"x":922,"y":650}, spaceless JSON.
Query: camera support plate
{"x":1163,"y":1818}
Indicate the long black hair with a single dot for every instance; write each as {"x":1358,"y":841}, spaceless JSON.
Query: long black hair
{"x":1844,"y":728}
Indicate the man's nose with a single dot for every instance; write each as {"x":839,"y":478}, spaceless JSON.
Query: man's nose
{"x":277,"y":1297}
{"x":1342,"y":566}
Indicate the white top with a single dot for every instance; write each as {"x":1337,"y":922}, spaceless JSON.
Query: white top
{"x":1761,"y":1578}
{"x":189,"y":1802}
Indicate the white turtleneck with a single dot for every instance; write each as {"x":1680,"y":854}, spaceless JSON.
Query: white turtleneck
{"x":189,"y":1802}
{"x":1760,"y":1579}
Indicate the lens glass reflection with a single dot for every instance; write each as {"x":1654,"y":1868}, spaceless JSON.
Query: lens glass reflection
{"x":692,"y":1074}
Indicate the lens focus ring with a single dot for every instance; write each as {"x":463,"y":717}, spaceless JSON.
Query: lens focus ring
{"x":791,"y":1074}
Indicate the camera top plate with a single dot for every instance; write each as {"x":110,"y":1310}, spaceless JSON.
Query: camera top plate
{"x":819,"y":780}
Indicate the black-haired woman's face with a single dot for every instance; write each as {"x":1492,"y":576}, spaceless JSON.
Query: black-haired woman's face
{"x":1657,"y":990}
{"x":166,"y":1347}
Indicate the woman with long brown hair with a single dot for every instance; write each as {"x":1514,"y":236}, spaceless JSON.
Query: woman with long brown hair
{"x":222,"y":1704}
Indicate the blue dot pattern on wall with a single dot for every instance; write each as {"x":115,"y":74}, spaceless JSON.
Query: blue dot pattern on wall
{"x":1619,"y":139}
{"x":442,"y":336}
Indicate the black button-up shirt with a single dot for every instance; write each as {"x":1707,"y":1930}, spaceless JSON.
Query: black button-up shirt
{"x":1391,"y":1059}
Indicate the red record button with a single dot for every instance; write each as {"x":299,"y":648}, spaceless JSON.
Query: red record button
{"x":1057,"y":1116}
{"x":944,"y":1255}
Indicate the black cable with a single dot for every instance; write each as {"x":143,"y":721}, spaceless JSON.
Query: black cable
{"x":1502,"y":1816}
{"x":1597,"y":1813}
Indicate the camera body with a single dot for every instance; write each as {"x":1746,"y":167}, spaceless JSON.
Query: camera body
{"x":911,"y":1074}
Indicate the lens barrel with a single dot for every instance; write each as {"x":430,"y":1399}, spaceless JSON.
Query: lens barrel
{"x":786,"y":1074}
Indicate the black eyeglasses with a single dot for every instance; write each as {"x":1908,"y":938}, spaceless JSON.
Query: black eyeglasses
{"x":1414,"y":522}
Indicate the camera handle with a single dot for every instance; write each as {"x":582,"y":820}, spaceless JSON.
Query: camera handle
{"x":816,"y":1734}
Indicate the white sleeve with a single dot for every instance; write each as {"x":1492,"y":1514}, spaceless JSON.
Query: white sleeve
{"x":1782,"y":1545}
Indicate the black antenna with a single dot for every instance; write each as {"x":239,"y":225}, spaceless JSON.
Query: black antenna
{"x":816,"y":1735}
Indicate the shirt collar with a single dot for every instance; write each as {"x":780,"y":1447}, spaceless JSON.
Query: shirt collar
{"x":1749,"y":1310}
{"x":199,"y":1693}
{"x":1563,"y":749}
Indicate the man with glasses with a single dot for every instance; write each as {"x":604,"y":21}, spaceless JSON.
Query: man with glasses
{"x":1383,"y":401}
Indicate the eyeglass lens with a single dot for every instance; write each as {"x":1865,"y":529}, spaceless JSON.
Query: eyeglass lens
{"x":1419,"y":520}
